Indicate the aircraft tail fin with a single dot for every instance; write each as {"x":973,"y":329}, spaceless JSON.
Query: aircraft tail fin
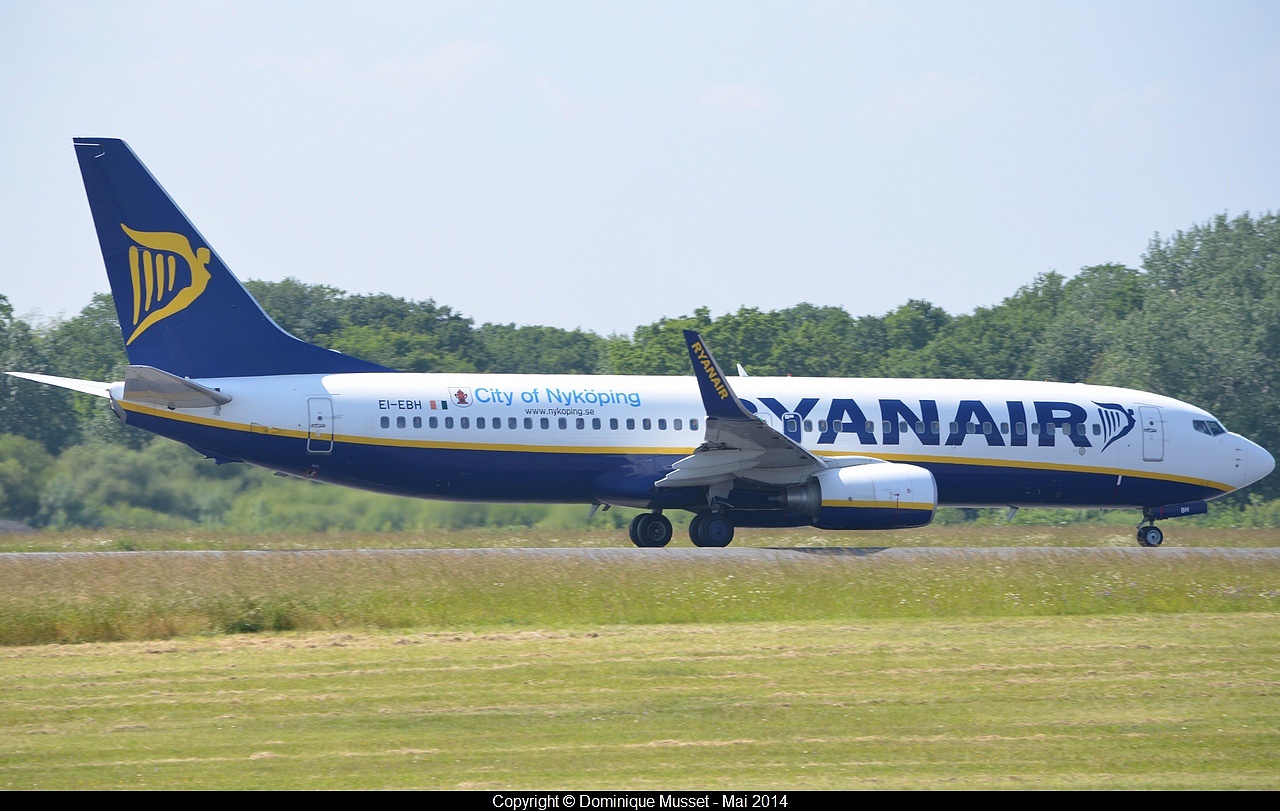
{"x":180,"y":308}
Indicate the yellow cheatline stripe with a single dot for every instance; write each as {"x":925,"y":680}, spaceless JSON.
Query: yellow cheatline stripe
{"x":164,"y":413}
{"x":901,"y":505}
{"x":913,"y":459}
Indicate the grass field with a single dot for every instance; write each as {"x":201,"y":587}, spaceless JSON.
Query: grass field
{"x":641,"y":669}
{"x":1013,"y":535}
{"x":1167,"y":701}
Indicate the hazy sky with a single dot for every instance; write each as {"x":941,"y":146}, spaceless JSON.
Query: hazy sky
{"x":604,"y":164}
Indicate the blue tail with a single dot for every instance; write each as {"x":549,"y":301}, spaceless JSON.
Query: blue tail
{"x":180,"y":309}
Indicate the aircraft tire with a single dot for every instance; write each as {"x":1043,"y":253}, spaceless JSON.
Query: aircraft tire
{"x":1150,"y":537}
{"x":650,"y":530}
{"x":714,"y":531}
{"x":694,"y":526}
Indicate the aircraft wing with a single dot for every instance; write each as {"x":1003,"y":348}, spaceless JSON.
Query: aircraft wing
{"x":737,"y":445}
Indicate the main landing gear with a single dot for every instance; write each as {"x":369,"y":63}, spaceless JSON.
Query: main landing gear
{"x":710,"y":530}
{"x":653,"y":530}
{"x":650,"y":530}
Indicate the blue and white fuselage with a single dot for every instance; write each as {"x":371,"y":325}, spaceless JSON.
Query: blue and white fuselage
{"x":609,"y":439}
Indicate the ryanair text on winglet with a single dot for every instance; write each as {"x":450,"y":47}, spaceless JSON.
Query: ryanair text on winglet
{"x":710,"y":369}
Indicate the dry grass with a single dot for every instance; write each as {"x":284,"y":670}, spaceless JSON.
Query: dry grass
{"x":81,"y":598}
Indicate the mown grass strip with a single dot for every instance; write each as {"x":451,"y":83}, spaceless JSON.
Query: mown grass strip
{"x":156,"y":596}
{"x":1156,"y":701}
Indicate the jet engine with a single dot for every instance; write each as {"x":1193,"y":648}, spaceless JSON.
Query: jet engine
{"x":873,"y":496}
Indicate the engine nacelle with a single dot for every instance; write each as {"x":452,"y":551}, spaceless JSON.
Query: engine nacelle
{"x":875,"y":496}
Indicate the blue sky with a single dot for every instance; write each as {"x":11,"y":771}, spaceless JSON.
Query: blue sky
{"x":604,"y":164}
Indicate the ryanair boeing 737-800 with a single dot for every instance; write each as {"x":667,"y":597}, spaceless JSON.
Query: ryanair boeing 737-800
{"x":210,"y":369}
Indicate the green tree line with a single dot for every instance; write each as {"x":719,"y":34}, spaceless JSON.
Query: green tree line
{"x":1199,"y":321}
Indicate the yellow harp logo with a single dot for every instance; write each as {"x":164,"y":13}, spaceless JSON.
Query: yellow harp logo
{"x":161,"y":287}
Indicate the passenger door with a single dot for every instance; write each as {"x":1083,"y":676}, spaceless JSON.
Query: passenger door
{"x":1152,"y":433}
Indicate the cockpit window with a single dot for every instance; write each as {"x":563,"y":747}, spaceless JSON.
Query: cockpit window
{"x":1210,"y":427}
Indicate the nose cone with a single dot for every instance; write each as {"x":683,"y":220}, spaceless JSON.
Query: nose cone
{"x":1261,"y":463}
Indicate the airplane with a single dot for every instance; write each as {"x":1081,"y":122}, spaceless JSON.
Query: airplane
{"x":209,"y":368}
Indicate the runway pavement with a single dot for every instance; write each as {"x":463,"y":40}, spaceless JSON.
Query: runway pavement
{"x":738,"y":554}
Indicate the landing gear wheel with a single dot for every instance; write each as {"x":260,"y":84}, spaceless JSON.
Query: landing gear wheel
{"x":714,"y":530}
{"x":695,"y":526}
{"x":650,"y":530}
{"x":1151,"y":536}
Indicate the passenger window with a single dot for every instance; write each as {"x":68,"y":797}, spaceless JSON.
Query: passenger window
{"x":808,"y":426}
{"x":1097,"y":429}
{"x":971,"y":427}
{"x":838,"y":427}
{"x":528,"y":422}
{"x":417,"y":422}
{"x":955,"y":427}
{"x":595,"y":423}
{"x":1048,"y":428}
{"x":497,"y":422}
{"x":677,"y":425}
{"x":631,"y":424}
{"x":563,"y":422}
{"x":919,"y":428}
{"x":822,"y":426}
{"x":613,"y":423}
{"x":1020,"y":428}
{"x":693,"y":425}
{"x":871,"y":427}
{"x":464,"y":422}
{"x":580,"y":423}
{"x":1080,"y":430}
{"x":448,"y":422}
{"x":662,"y":425}
{"x":937,"y":427}
{"x":986,"y":427}
{"x":511,"y":423}
{"x":479,"y":422}
{"x":545,"y":423}
{"x":646,"y":423}
{"x":400,"y":422}
{"x":1035,"y":427}
{"x":1004,"y":428}
{"x":433,"y":422}
{"x":888,"y":426}
{"x":385,"y":422}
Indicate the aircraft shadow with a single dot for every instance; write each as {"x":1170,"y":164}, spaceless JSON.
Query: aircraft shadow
{"x":833,"y":551}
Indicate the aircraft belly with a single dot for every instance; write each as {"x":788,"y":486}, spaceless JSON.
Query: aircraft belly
{"x":975,"y":485}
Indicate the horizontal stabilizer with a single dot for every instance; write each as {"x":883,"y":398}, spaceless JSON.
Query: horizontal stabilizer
{"x":87,"y":386}
{"x":146,"y":384}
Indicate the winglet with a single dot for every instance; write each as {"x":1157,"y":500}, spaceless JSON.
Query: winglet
{"x":717,"y":398}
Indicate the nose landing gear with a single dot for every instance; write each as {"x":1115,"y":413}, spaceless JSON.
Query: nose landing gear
{"x":1150,"y":536}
